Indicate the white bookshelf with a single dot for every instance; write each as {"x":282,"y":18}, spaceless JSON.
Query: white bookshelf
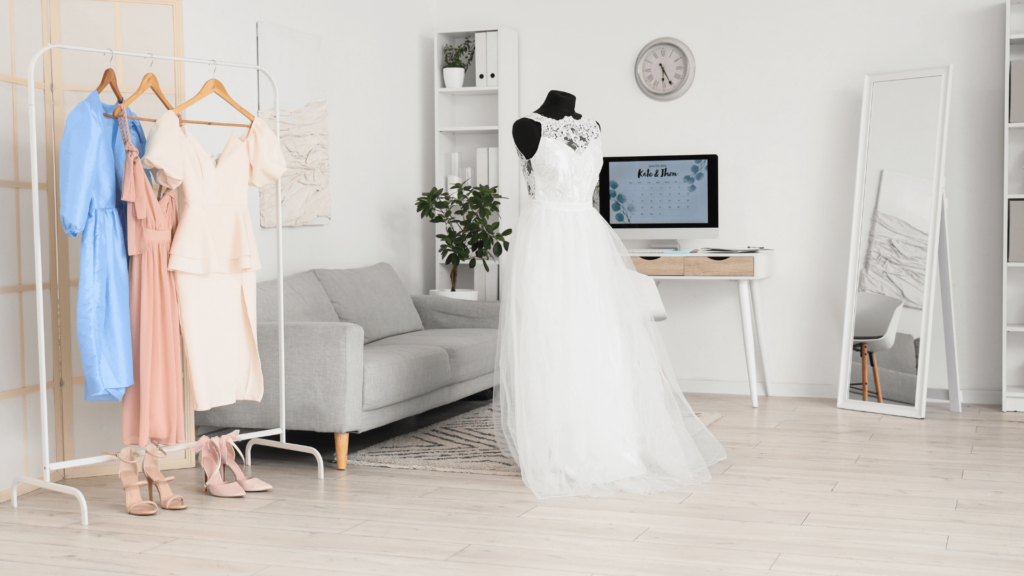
{"x":471,"y":117}
{"x":1013,"y":189}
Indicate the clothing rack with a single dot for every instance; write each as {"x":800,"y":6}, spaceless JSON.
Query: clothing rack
{"x":255,"y":438}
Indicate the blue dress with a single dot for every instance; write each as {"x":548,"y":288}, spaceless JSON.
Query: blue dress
{"x":92,"y":161}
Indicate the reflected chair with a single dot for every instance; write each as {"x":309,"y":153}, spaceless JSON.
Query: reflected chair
{"x":874,"y":330}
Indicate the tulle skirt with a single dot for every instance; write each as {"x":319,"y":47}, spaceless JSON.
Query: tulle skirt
{"x":585,"y":398}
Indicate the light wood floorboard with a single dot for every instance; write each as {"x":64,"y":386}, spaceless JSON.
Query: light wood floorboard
{"x":807,"y":489}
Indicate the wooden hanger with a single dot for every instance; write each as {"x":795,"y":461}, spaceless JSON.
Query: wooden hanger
{"x":149,"y":81}
{"x":214,"y":86}
{"x":110,"y":79}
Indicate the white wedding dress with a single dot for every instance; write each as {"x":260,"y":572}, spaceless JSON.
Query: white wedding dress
{"x":585,"y":398}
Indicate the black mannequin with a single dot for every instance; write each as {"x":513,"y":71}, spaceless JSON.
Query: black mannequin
{"x":526,"y":132}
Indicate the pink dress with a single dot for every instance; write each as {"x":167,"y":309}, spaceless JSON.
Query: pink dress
{"x":214,"y":255}
{"x":152,"y":409}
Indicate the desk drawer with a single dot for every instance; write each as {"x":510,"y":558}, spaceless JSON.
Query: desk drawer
{"x":660,"y":265}
{"x":694,"y":265}
{"x":729,"y":266}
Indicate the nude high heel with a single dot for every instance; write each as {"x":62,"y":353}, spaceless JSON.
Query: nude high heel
{"x":130,"y":482}
{"x":151,"y":468}
{"x":227,"y":455}
{"x":213,"y":478}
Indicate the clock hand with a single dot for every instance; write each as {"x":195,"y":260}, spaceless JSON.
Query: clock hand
{"x":663,"y":73}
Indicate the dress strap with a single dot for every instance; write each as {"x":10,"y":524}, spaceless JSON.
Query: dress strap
{"x":125,"y":132}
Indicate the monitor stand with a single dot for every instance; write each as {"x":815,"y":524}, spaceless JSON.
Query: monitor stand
{"x":665,"y":244}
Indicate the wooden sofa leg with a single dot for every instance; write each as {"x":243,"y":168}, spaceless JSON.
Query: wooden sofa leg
{"x":341,"y":446}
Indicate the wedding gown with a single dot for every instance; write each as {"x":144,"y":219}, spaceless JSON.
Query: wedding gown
{"x":585,"y":397}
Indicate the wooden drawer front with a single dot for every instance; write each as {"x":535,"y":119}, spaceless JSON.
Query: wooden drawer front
{"x":660,"y":266}
{"x":731,"y":266}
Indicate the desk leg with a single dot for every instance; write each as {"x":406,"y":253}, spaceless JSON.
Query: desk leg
{"x":748,"y":338}
{"x":755,"y":293}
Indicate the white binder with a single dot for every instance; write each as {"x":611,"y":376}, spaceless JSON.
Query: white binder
{"x":492,"y":166}
{"x":492,"y":58}
{"x":481,"y":63}
{"x":482,"y":175}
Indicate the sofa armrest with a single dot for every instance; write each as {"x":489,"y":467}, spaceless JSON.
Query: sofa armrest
{"x":324,"y":380}
{"x":438,"y":312}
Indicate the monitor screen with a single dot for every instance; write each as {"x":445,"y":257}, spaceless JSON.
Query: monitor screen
{"x":660,"y":191}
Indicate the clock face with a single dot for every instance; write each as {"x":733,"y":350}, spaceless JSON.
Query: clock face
{"x":664,"y":69}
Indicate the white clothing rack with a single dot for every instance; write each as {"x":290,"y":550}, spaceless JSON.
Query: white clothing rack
{"x":255,"y":438}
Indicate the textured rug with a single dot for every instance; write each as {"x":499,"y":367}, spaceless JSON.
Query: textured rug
{"x":464,"y":443}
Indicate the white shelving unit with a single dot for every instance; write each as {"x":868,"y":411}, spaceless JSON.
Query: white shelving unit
{"x":1013,"y":190}
{"x":471,"y":117}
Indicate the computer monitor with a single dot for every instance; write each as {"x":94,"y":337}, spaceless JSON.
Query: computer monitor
{"x":661,"y":197}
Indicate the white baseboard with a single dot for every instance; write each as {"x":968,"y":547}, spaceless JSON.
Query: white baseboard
{"x":743,"y":388}
{"x":797,"y":390}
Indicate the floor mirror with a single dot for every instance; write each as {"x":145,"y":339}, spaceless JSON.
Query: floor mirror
{"x":890,"y":297}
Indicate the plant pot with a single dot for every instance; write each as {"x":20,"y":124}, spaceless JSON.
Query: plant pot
{"x":459,"y":294}
{"x":454,"y":77}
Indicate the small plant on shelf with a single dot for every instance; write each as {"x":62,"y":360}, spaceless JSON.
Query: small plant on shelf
{"x":460,"y":55}
{"x":467,"y":213}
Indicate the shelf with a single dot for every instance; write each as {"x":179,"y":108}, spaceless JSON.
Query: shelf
{"x":1015,"y":264}
{"x":469,"y":130}
{"x":1012,"y":125}
{"x":1016,"y":38}
{"x":469,"y":90}
{"x":1015,"y":327}
{"x":1015,"y":196}
{"x":1015,"y":391}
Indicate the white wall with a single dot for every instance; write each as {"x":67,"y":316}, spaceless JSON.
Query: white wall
{"x":376,"y":62}
{"x":777,"y":96}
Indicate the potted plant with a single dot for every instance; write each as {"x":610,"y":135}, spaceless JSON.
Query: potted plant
{"x":470,"y":235}
{"x":456,"y":61}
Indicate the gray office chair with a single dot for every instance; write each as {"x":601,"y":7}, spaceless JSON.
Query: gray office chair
{"x":874,"y":330}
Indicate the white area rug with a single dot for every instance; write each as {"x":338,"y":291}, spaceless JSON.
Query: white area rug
{"x":464,"y":443}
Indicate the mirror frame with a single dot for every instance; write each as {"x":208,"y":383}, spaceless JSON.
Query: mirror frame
{"x":931,"y":269}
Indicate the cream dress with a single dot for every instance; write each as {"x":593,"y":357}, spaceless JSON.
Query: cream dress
{"x":213,"y":254}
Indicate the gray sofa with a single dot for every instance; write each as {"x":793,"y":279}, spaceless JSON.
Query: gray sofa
{"x":361,"y":353}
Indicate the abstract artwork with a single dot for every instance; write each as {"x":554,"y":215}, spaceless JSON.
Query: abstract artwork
{"x":305,"y":196}
{"x":897,"y":251}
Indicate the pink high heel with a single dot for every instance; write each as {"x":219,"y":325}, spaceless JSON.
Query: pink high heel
{"x":227,"y":456}
{"x":213,"y":478}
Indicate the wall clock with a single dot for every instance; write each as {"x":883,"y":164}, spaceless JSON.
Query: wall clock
{"x":664,"y":69}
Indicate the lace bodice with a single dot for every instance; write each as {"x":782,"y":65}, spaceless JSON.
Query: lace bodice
{"x":567,"y":162}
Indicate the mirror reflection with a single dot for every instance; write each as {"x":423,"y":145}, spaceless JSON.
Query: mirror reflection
{"x":896,"y":227}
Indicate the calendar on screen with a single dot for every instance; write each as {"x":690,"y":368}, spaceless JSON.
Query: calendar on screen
{"x":658,"y":192}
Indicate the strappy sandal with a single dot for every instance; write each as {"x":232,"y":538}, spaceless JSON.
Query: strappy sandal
{"x":130,"y":482}
{"x":227,"y":455}
{"x":151,"y":468}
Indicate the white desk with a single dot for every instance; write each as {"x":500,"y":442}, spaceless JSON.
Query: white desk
{"x":747,"y":270}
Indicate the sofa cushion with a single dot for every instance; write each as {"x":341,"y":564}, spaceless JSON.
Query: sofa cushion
{"x":372,"y":297}
{"x":471,"y":351}
{"x":304,"y":300}
{"x":441,"y":312}
{"x":393,"y":373}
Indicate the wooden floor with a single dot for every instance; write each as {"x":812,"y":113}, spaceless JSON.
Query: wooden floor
{"x":807,"y":489}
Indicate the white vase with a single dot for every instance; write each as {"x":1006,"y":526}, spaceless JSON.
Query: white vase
{"x":454,"y":77}
{"x":459,"y":294}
